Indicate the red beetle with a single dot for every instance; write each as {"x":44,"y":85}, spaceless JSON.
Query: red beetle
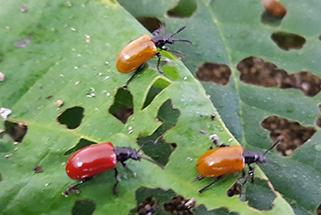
{"x":98,"y":158}
{"x":224,"y":160}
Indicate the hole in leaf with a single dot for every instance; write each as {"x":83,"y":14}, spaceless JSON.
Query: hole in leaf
{"x":148,"y":206}
{"x":202,"y":210}
{"x":38,"y":169}
{"x":83,"y":207}
{"x":71,"y":117}
{"x":16,"y":130}
{"x":81,"y":144}
{"x":274,"y":8}
{"x":158,"y":86}
{"x":184,"y":8}
{"x":217,"y":73}
{"x":260,"y":195}
{"x":150,"y":23}
{"x":256,"y":71}
{"x":288,"y":41}
{"x":236,"y":189}
{"x":154,"y":145}
{"x":151,"y":200}
{"x":180,"y":205}
{"x":159,"y":201}
{"x":122,"y":108}
{"x":291,"y":134}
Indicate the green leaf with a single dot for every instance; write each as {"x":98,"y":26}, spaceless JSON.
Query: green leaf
{"x":226,"y":33}
{"x":54,"y":51}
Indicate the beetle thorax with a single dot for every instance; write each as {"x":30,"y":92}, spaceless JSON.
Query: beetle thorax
{"x":161,"y":41}
{"x":125,"y":153}
{"x":254,"y":157}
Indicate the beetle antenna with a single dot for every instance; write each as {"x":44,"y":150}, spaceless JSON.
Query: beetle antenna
{"x":178,"y":31}
{"x":152,"y":161}
{"x":150,"y":141}
{"x":274,"y":144}
{"x":182,"y":40}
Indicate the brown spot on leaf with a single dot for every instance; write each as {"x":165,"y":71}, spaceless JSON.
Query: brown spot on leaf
{"x":291,"y":134}
{"x":259,"y":72}
{"x":38,"y":169}
{"x":287,"y":41}
{"x":122,"y":108}
{"x":217,"y":73}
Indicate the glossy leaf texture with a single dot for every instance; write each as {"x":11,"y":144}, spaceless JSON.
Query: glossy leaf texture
{"x":65,"y":93}
{"x":227,"y":33}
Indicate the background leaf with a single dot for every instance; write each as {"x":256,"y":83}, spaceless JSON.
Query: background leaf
{"x":227,"y":33}
{"x":58,"y":57}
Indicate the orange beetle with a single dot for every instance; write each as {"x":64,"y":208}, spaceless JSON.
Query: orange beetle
{"x":139,"y":51}
{"x":225,"y":160}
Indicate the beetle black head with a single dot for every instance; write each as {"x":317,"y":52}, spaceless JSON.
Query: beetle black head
{"x":254,"y":157}
{"x":125,"y":153}
{"x":258,"y":157}
{"x":160,"y":39}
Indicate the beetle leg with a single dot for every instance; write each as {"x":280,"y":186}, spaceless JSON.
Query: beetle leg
{"x":117,"y":178}
{"x":251,"y":173}
{"x":137,"y":72}
{"x":159,"y":56}
{"x":127,"y":169}
{"x":198,"y":178}
{"x":75,"y":188}
{"x":235,"y":189}
{"x":216,"y":141}
{"x":210,"y":184}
